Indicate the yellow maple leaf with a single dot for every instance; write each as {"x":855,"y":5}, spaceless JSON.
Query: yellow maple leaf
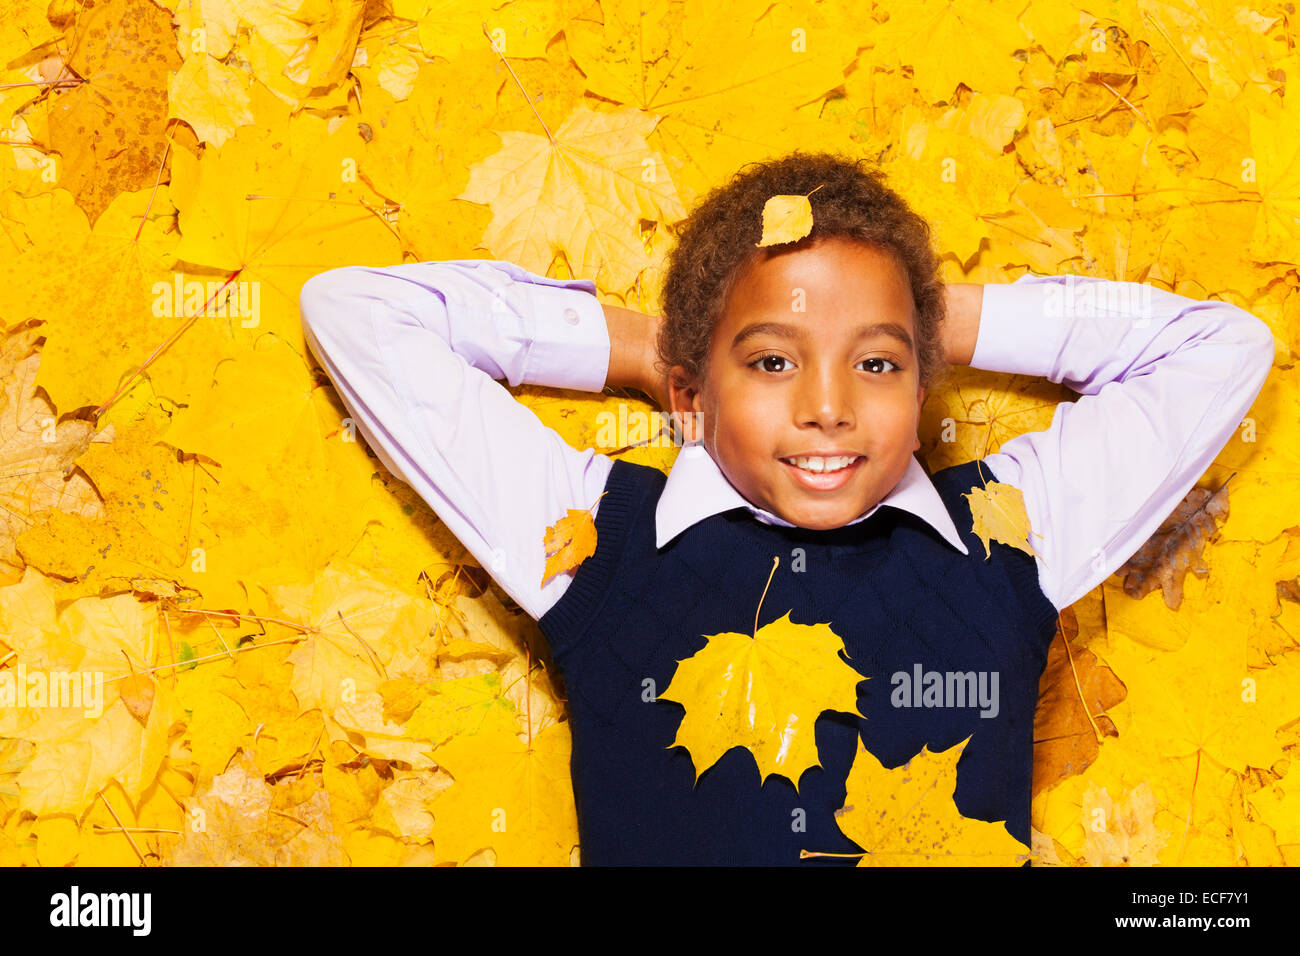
{"x":581,"y":192}
{"x":449,"y":30}
{"x":592,"y":420}
{"x":907,"y":817}
{"x":102,"y":276}
{"x":36,"y":451}
{"x":403,"y":806}
{"x":215,"y":721}
{"x":998,"y":511}
{"x":1200,"y":700}
{"x":85,"y":735}
{"x":356,"y":627}
{"x":125,"y":51}
{"x":246,"y":823}
{"x":293,"y":217}
{"x":400,"y":166}
{"x":1278,"y":807}
{"x":463,"y":707}
{"x":928,"y":40}
{"x":1263,"y":504}
{"x":976,"y":412}
{"x":508,"y":794}
{"x":211,"y":96}
{"x":140,"y":526}
{"x":1038,"y":227}
{"x":702,"y":98}
{"x":26,"y":27}
{"x":301,"y":52}
{"x":1121,"y":832}
{"x":763,"y":693}
{"x":372,"y":731}
{"x":947,"y":178}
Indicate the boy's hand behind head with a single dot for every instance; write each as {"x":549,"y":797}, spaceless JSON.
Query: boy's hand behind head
{"x":654,"y":381}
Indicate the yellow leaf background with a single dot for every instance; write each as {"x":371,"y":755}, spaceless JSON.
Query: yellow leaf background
{"x":184,"y":499}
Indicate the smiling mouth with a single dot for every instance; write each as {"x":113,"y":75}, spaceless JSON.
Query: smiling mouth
{"x":836,"y":472}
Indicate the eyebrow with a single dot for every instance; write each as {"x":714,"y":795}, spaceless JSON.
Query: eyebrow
{"x":799,"y":332}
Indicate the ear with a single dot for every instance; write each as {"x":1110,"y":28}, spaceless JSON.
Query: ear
{"x":685,"y":399}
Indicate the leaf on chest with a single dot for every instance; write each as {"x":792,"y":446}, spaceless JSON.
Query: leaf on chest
{"x":908,"y":817}
{"x":998,"y":512}
{"x":763,"y":693}
{"x":569,"y":541}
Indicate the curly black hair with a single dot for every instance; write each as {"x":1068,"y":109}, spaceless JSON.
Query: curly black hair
{"x":718,"y":241}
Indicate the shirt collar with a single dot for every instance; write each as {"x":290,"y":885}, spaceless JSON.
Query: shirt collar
{"x":697,"y":489}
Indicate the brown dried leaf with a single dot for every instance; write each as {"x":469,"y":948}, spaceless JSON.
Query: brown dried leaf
{"x":1065,"y":742}
{"x":1175,"y":548}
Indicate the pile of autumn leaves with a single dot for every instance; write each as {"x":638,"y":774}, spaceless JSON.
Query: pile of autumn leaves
{"x":302,"y":665}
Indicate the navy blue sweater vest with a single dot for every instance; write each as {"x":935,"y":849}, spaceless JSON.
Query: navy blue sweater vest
{"x":891,"y":587}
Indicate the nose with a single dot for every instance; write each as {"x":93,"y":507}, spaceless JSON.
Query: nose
{"x":824,"y":399}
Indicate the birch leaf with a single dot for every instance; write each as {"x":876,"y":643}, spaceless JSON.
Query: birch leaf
{"x":998,"y":510}
{"x":786,"y":219}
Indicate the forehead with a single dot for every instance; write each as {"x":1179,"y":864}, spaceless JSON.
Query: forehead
{"x":833,"y":275}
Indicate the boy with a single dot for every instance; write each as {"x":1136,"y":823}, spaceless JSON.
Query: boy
{"x":807,"y":364}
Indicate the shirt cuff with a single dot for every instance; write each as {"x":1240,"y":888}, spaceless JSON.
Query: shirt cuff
{"x":1022,"y":326}
{"x":570,"y":339}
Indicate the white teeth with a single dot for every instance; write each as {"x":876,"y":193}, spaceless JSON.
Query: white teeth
{"x":822,"y":465}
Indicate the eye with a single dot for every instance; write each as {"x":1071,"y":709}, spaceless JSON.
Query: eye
{"x":886,"y":361}
{"x":764,"y":358}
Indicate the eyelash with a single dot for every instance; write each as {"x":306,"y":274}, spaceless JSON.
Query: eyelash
{"x":874,"y":358}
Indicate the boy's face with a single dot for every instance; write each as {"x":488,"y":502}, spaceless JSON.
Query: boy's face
{"x":819,"y":388}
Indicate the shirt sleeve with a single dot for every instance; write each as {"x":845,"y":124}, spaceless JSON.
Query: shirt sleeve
{"x":414,"y":351}
{"x":1166,"y":380}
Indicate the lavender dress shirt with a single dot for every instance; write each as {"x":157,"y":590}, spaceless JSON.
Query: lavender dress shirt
{"x":416,"y":350}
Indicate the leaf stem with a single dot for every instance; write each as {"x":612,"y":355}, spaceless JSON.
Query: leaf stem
{"x":775,"y":561}
{"x":1079,"y":687}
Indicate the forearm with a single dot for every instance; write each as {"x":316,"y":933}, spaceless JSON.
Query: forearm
{"x":961,"y":328}
{"x":631,"y":347}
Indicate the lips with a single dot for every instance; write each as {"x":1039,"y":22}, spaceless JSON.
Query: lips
{"x":825,"y":480}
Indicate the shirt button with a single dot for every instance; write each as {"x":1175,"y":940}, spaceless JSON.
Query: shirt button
{"x":571,"y":316}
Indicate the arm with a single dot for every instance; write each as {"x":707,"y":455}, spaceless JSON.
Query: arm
{"x":413,"y":351}
{"x":961,"y":327}
{"x":631,"y":346}
{"x":1166,"y":379}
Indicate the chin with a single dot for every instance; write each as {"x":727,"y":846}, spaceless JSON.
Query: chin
{"x":822,"y":521}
